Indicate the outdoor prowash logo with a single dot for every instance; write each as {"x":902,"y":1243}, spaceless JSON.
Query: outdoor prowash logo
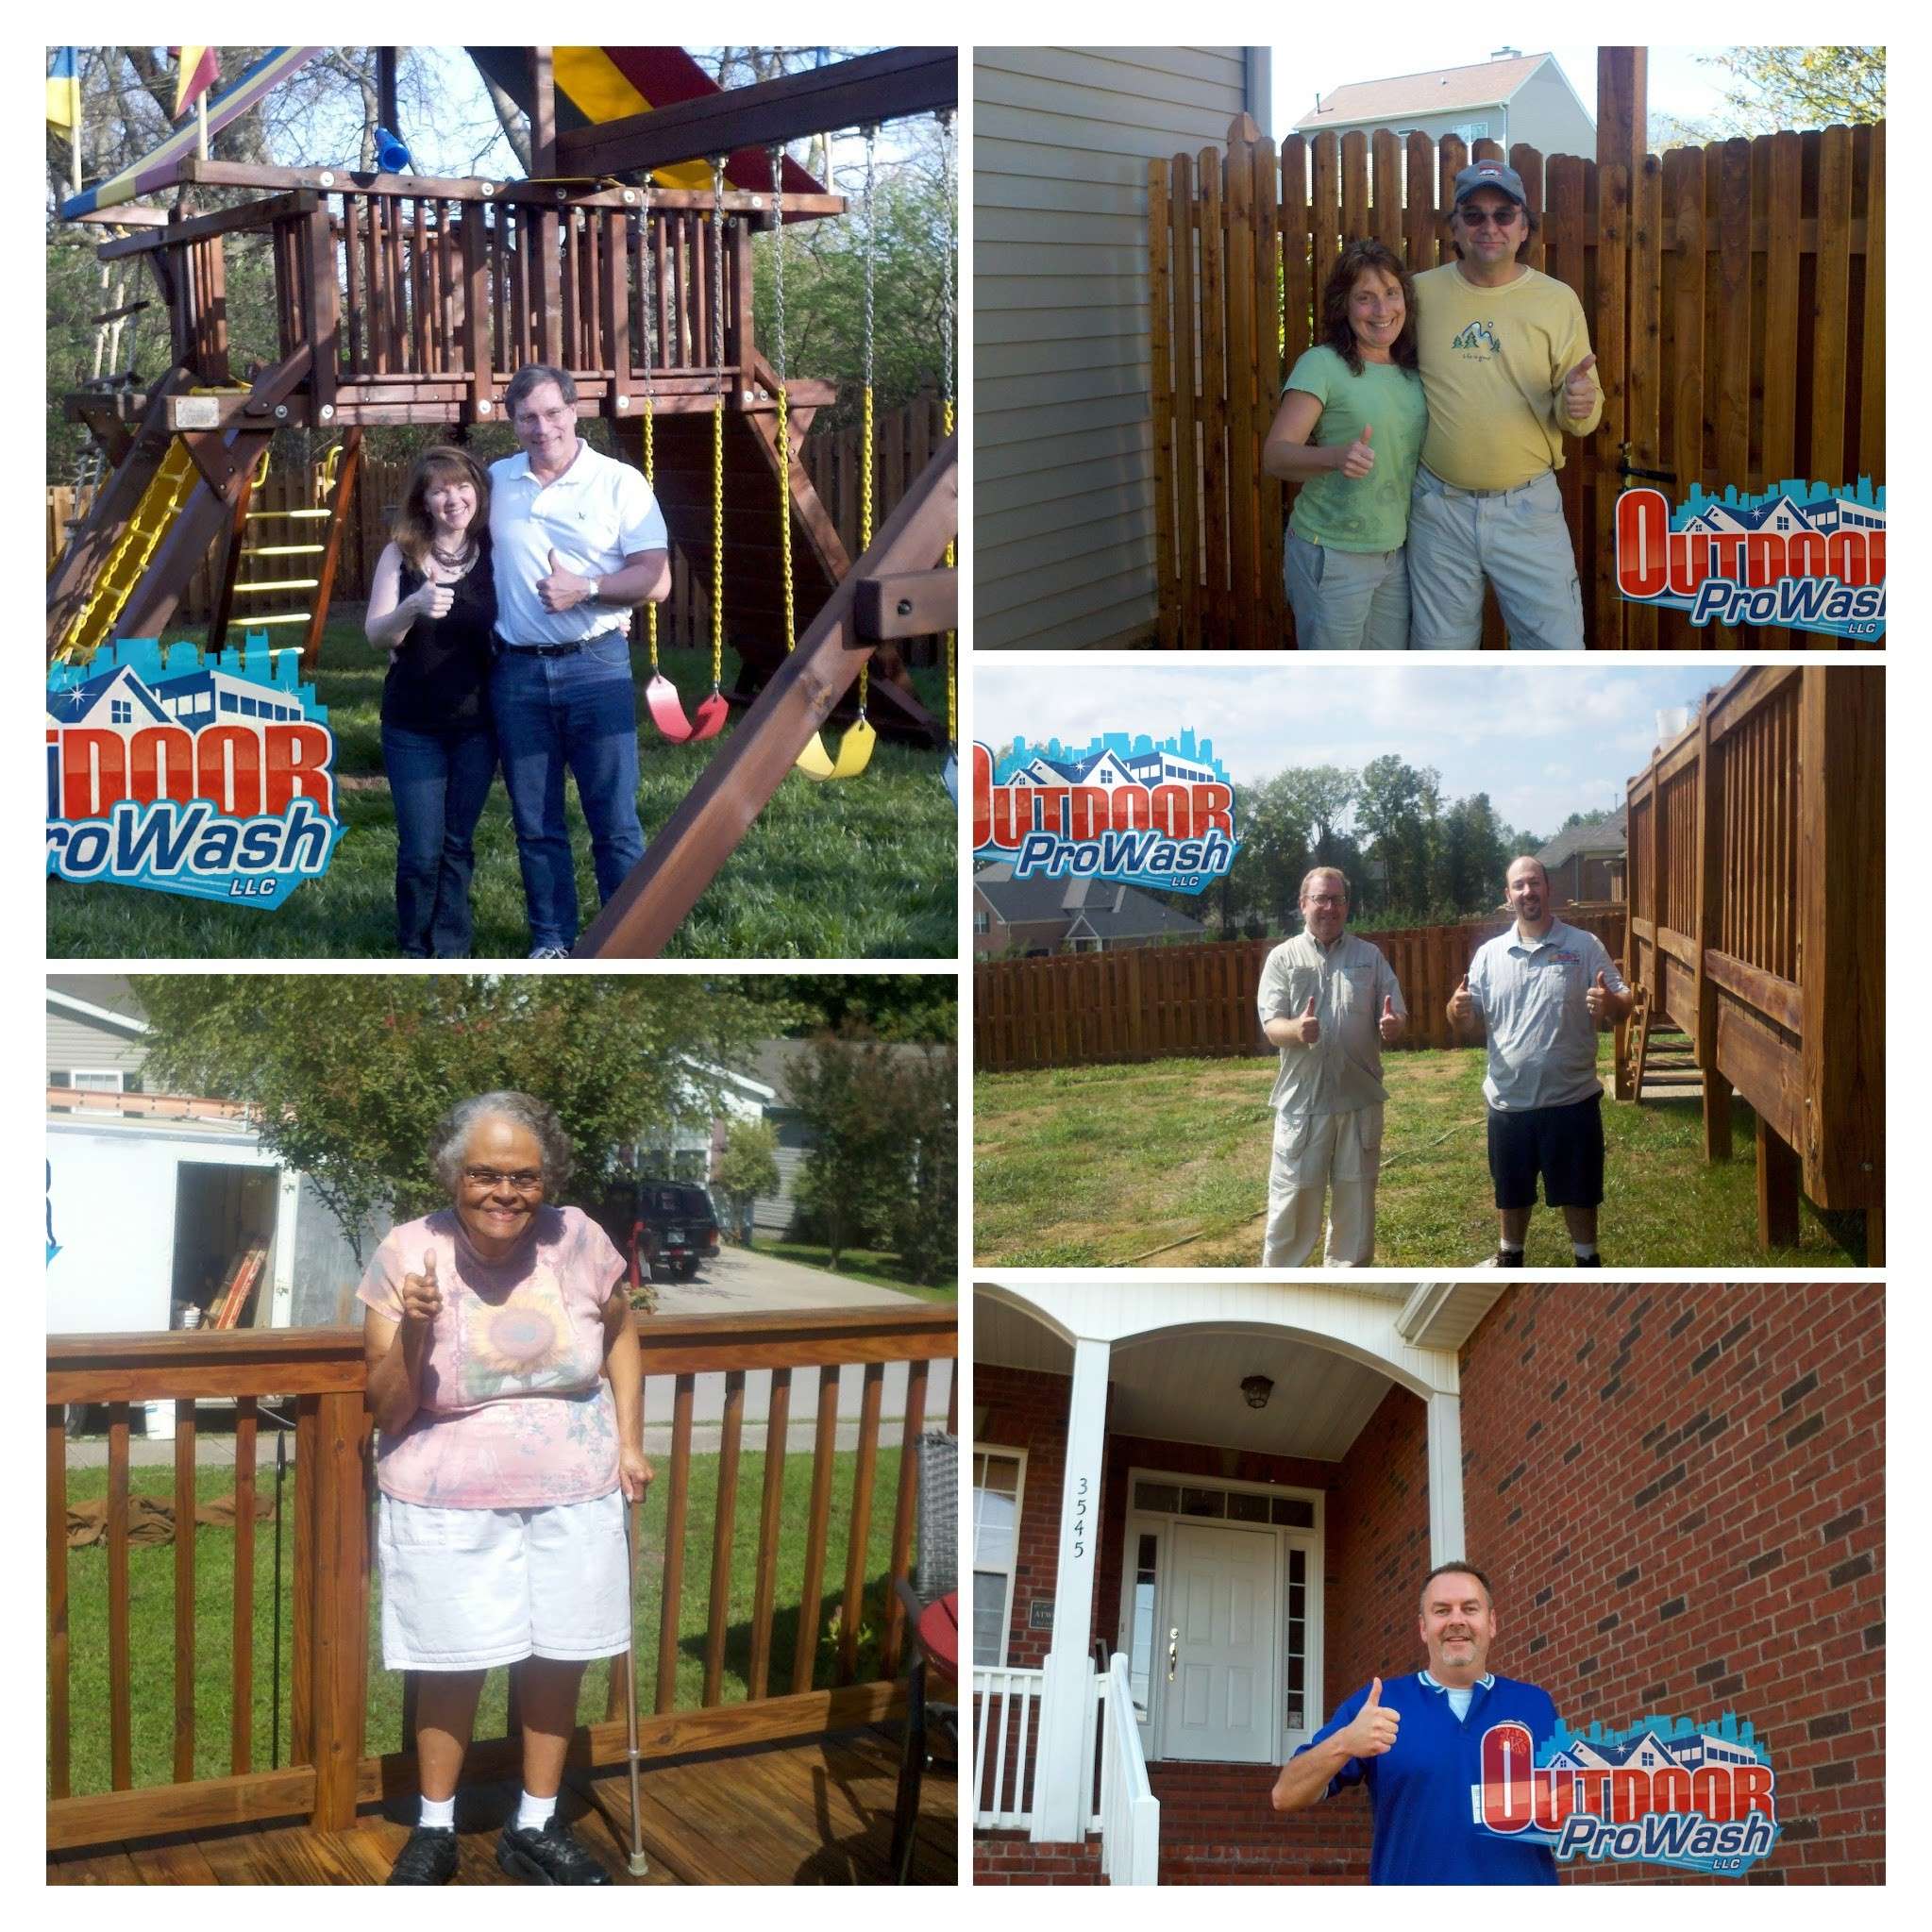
{"x":1800,"y":555}
{"x":1125,"y":809}
{"x":209,"y":777}
{"x":1662,"y":1792}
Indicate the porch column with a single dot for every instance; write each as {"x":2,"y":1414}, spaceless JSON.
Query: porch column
{"x":1445,"y":1481}
{"x":1063,"y":1787}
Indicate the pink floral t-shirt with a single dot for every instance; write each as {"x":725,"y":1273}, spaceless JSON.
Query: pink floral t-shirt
{"x":514,"y":1411}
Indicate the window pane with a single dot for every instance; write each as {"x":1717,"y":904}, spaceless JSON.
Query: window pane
{"x":1292,"y":1512}
{"x":1243,"y":1507}
{"x":989,"y":1615}
{"x":1162,"y":1497}
{"x":994,"y":1518}
{"x":1202,"y":1502}
{"x":1000,"y":1473}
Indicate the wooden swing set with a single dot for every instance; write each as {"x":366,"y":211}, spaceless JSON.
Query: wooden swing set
{"x":400,"y":298}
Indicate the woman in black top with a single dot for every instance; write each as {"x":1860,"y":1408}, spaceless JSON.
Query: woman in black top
{"x":432,"y":607}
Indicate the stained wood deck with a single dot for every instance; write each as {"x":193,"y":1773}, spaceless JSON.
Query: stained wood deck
{"x":815,"y":1813}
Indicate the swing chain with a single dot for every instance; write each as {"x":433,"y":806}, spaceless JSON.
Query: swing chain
{"x":647,"y":283}
{"x":949,"y":194}
{"x":717,"y":424}
{"x":784,"y":401}
{"x":871,"y":134}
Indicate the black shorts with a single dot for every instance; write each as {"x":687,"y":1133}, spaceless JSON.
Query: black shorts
{"x":1565,"y":1145}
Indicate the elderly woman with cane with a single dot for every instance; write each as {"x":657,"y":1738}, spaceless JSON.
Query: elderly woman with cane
{"x":506,"y":1382}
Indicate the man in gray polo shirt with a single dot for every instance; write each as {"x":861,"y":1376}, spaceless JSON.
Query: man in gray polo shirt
{"x":1329,"y":1002}
{"x":1542,"y":990}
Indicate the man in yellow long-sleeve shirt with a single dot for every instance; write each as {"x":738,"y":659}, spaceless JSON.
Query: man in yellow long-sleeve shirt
{"x":1507,"y":371}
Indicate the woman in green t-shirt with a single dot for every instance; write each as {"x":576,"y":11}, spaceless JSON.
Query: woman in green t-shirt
{"x":1350,"y":432}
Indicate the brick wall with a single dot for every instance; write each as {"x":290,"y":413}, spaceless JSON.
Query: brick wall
{"x":1027,"y":1409}
{"x":1679,"y":1491}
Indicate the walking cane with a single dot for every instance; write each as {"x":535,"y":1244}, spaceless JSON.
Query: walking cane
{"x":638,"y":1866}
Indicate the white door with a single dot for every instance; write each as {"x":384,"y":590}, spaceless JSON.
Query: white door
{"x":1221,"y":1643}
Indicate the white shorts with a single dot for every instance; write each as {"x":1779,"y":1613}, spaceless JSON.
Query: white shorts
{"x":466,"y":1589}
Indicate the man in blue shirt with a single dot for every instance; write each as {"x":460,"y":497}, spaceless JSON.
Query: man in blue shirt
{"x":1417,"y":1741}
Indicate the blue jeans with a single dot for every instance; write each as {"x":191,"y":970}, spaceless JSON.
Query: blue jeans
{"x":579,"y":711}
{"x":439,"y":781}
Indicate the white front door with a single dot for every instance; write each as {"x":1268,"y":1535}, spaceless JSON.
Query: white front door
{"x":1221,"y":1638}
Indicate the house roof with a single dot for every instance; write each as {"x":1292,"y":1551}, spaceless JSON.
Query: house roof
{"x":1603,"y":833}
{"x":1442,"y":91}
{"x":1114,"y":911}
{"x":103,"y":998}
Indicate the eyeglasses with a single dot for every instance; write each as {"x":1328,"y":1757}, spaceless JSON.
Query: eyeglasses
{"x":1476,"y":217}
{"x":525,"y":1181}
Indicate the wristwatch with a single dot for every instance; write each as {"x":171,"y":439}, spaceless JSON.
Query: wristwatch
{"x":596,"y":589}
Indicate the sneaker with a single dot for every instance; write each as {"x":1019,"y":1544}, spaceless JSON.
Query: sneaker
{"x":549,"y":952}
{"x":1593,"y":1261}
{"x":1510,"y":1258}
{"x":549,"y":1856}
{"x":429,"y":1857}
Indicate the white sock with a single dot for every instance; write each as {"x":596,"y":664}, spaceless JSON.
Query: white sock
{"x":438,"y":1812}
{"x":534,"y":1813}
{"x":1584,"y":1251}
{"x":1510,"y":1247}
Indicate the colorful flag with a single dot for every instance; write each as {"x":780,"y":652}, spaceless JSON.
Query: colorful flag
{"x":199,"y":71}
{"x":63,"y":89}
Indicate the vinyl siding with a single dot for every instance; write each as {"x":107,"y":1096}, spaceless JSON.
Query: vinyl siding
{"x":74,"y":1044}
{"x":1063,"y":533}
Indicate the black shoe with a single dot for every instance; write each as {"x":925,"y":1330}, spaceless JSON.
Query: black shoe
{"x":549,"y":1856}
{"x":1592,"y":1261}
{"x":427,"y":1859}
{"x":1510,"y":1258}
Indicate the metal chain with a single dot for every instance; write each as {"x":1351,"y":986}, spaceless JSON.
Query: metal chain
{"x":948,"y":196}
{"x":647,"y":282}
{"x":871,"y":277}
{"x":717,"y":425}
{"x":784,"y":401}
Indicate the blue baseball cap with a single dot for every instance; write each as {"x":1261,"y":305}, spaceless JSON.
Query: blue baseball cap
{"x":1496,"y":175}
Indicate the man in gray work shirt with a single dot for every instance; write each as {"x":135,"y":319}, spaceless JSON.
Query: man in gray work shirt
{"x":1329,"y":1002}
{"x":1542,"y":989}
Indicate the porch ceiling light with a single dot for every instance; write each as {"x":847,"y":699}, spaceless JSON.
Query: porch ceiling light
{"x":1257,"y":1388}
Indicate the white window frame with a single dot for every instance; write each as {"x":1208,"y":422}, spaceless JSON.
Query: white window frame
{"x":1142,"y":1523}
{"x":1012,"y":1565}
{"x":983,"y":924}
{"x":75,"y":1075}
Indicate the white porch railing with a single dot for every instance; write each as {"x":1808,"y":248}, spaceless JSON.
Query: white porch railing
{"x":1130,"y":1820}
{"x":1005,"y":1716}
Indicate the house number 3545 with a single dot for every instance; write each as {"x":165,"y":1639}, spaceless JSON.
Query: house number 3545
{"x":1080,"y":1508}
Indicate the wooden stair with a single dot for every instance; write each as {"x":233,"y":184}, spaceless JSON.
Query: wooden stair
{"x":1660,"y":1060}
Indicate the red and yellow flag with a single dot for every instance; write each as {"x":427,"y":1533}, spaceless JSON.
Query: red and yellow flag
{"x":199,"y":71}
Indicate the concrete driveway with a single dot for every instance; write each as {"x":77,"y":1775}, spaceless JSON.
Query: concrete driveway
{"x":748,"y":1281}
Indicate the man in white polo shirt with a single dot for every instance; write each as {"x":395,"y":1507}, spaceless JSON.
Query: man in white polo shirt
{"x":1329,"y":1001}
{"x":577,"y":539}
{"x":1542,"y":989}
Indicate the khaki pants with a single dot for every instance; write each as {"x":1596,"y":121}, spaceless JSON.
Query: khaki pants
{"x":1339,"y":1155}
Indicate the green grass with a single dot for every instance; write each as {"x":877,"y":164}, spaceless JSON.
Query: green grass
{"x":864,"y":869}
{"x":1103,"y":1165}
{"x":881,"y":1268}
{"x":151,"y":1586}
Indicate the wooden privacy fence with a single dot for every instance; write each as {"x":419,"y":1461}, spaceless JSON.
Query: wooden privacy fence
{"x":322,"y":1372}
{"x":1756,"y":912}
{"x":903,"y":438}
{"x":1157,"y":1003}
{"x":1735,"y":301}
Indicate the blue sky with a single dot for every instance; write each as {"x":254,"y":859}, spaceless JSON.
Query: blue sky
{"x":1543,"y":739}
{"x":1678,"y":85}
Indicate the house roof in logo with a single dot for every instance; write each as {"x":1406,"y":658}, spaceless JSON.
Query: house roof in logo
{"x":78,"y":703}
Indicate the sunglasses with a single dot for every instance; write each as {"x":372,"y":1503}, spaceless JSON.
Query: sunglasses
{"x":1477,"y":217}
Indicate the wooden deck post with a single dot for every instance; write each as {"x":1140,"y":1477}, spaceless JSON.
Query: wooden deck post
{"x":718,"y":810}
{"x":1777,"y":1189}
{"x":1710,"y":882}
{"x":341,"y":1586}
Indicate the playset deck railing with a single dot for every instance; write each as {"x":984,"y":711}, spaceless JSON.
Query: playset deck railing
{"x":320,"y":1374}
{"x":1756,"y":850}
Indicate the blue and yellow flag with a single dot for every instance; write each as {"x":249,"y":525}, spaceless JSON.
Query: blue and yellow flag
{"x":63,"y":89}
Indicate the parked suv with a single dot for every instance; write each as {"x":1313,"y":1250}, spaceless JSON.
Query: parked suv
{"x":674,"y":1228}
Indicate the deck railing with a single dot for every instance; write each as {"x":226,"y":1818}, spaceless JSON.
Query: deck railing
{"x":1006,"y":1710}
{"x":1756,"y":850}
{"x":321,"y":1373}
{"x":1130,"y":1812}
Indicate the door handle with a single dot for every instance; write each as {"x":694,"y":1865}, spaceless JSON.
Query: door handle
{"x":1173,"y":1650}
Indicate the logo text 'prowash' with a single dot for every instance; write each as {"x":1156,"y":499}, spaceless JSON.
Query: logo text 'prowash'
{"x":1669,"y":1795}
{"x":1123,"y":810}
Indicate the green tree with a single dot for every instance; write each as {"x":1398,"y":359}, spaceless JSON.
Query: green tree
{"x":1397,"y":810}
{"x":352,"y":1072}
{"x":746,"y":1169}
{"x":923,"y":1213}
{"x":1773,"y":88}
{"x":886,"y":1006}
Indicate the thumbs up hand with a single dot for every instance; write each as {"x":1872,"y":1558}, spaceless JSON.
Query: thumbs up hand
{"x":1357,"y":460}
{"x":1307,"y":1028}
{"x":1598,"y":999}
{"x":422,"y":1301}
{"x":1579,"y":392}
{"x":1373,"y":1731}
{"x":562,"y":589}
{"x":1462,"y":1005}
{"x":1391,"y":1023}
